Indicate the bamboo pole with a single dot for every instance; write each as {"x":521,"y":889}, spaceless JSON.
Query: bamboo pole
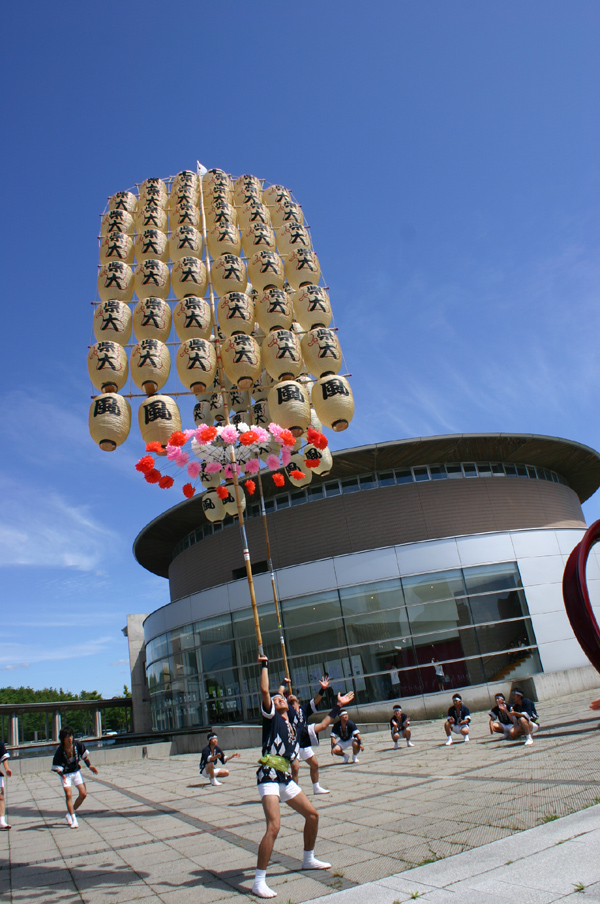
{"x":236,"y":484}
{"x":263,"y":512}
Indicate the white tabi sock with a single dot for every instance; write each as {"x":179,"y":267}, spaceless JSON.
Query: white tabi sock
{"x":309,"y":861}
{"x":260,"y":887}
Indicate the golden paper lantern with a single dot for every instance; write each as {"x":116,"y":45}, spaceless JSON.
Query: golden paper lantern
{"x":223,"y":238}
{"x":188,"y":178}
{"x":210,"y":481}
{"x":260,"y":414}
{"x":158,"y":418}
{"x":321,"y":352}
{"x":228,"y":274}
{"x":230,"y":504}
{"x":115,"y":280}
{"x":184,"y":214}
{"x":292,"y":236}
{"x":241,"y":360}
{"x":117,"y":221}
{"x":151,"y":216}
{"x":312,"y":307}
{"x":253,"y":212}
{"x":239,"y":400}
{"x":214,"y":178}
{"x":152,"y":319}
{"x":185,"y":241}
{"x":112,"y":320}
{"x":333,"y":402}
{"x":189,"y":277}
{"x":193,"y":318}
{"x":153,"y":190}
{"x":150,"y":365}
{"x":262,"y":387}
{"x":323,"y":456}
{"x":202,"y":413}
{"x":152,"y":278}
{"x":116,"y":246}
{"x":123,"y":200}
{"x":289,"y":406}
{"x":216,"y":400}
{"x":236,"y":314}
{"x":258,"y":237}
{"x":274,"y":310}
{"x":297,"y":463}
{"x":212,"y":506}
{"x":183,"y":195}
{"x":246,"y":188}
{"x":302,"y":266}
{"x":151,"y":243}
{"x":220,"y":212}
{"x":265,"y":270}
{"x":282,"y":358}
{"x":286,"y":212}
{"x":107,"y":366}
{"x":196,"y":364}
{"x":275,"y":195}
{"x":109,"y":420}
{"x":185,"y":186}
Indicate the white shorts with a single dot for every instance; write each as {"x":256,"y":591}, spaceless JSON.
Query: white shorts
{"x":305,"y":753}
{"x":457,"y":729}
{"x":205,"y":774}
{"x":344,"y":745}
{"x":1,"y":782}
{"x":279,"y":789}
{"x":72,"y":778}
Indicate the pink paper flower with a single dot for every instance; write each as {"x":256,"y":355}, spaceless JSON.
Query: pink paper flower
{"x":273,"y":462}
{"x":252,"y":466}
{"x":229,"y":435}
{"x":213,"y":467}
{"x":193,"y":469}
{"x":183,"y":459}
{"x":286,"y":456}
{"x":263,"y":435}
{"x":173,"y":452}
{"x":229,"y":470}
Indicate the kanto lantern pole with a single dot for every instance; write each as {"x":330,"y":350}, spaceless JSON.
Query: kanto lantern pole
{"x":263,"y":512}
{"x":236,"y":483}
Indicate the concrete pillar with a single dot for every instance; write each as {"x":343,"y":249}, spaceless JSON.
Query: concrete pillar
{"x":140,"y":695}
{"x":56,"y":725}
{"x":97,"y":723}
{"x":13,"y":733}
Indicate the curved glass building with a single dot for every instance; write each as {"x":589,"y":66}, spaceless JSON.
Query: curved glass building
{"x":411,"y":569}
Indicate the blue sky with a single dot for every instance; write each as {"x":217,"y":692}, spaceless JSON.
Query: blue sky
{"x":446,"y":155}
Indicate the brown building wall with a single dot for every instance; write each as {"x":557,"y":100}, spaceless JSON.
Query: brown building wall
{"x":375,"y":518}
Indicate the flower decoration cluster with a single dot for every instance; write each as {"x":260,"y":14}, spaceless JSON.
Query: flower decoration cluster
{"x":210,"y":457}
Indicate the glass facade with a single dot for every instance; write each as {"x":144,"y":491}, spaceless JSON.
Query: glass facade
{"x":377,"y":639}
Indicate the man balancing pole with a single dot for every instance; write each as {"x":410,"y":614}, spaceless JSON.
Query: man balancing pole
{"x":279,"y":750}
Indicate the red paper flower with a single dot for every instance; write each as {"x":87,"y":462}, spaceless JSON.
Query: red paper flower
{"x":278,"y":480}
{"x":188,"y":490}
{"x":178,"y":438}
{"x":311,"y":462}
{"x":145,"y":464}
{"x":288,"y":438}
{"x":249,"y":437}
{"x":165,"y":482}
{"x":152,"y":476}
{"x":297,"y":475}
{"x":316,"y":438}
{"x":222,"y":492}
{"x":205,"y":433}
{"x":250,"y":487}
{"x":155,"y":447}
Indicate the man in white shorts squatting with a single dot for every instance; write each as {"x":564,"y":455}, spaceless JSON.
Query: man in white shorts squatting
{"x":345,"y":736}
{"x":400,"y":727}
{"x":500,"y":721}
{"x":275,"y":784}
{"x":458,"y":720}
{"x":210,"y":757}
{"x":4,"y":756}
{"x":66,"y":763}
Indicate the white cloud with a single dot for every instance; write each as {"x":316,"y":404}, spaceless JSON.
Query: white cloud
{"x":21,"y":655}
{"x":120,"y":662}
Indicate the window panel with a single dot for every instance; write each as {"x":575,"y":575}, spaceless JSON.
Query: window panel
{"x":486,"y":578}
{"x":439,"y":586}
{"x":377,"y":626}
{"x":214,"y":630}
{"x":307,"y":609}
{"x":371,"y":597}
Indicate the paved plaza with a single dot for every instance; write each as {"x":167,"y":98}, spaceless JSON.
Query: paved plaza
{"x":155,"y":831}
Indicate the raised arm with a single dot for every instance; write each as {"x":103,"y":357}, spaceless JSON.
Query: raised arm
{"x":342,"y":701}
{"x":264,"y":683}
{"x":324,"y":683}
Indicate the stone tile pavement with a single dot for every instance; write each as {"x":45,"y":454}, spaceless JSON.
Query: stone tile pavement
{"x":157,"y":832}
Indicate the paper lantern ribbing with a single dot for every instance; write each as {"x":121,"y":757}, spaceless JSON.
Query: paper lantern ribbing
{"x":210,"y":481}
{"x":223,"y":238}
{"x":202,"y":413}
{"x":333,"y":402}
{"x":214,"y":178}
{"x":184,"y":214}
{"x":262,"y":387}
{"x":265,"y":270}
{"x":274,"y":310}
{"x":241,"y":360}
{"x":109,"y":420}
{"x":151,"y":216}
{"x":260,"y":414}
{"x":152,"y":278}
{"x":112,"y":320}
{"x":212,"y":506}
{"x":302,"y":266}
{"x":196,"y":364}
{"x":117,"y":221}
{"x":123,"y":200}
{"x":151,"y":243}
{"x":152,"y":319}
{"x":150,"y":365}
{"x":281,"y":355}
{"x":322,"y":456}
{"x":292,"y":236}
{"x":289,"y":406}
{"x":193,"y":318}
{"x":158,"y":418}
{"x":107,"y":366}
{"x":297,"y":463}
{"x":286,"y":212}
{"x":312,"y":307}
{"x":258,"y":237}
{"x":228,"y":274}
{"x":253,"y":212}
{"x":216,"y":400}
{"x":275,"y":194}
{"x":236,"y":314}
{"x":116,"y":246}
{"x":188,"y":179}
{"x":229,"y":502}
{"x":115,"y":280}
{"x":239,"y":400}
{"x":321,"y":351}
{"x":219,"y":212}
{"x":245,"y":188}
{"x":153,"y":190}
{"x":185,"y":241}
{"x":189,"y":277}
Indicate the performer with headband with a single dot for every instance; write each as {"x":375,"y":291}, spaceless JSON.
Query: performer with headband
{"x":4,"y":756}
{"x":66,"y":763}
{"x":211,"y":755}
{"x":344,"y":735}
{"x":275,"y":783}
{"x":299,"y":715}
